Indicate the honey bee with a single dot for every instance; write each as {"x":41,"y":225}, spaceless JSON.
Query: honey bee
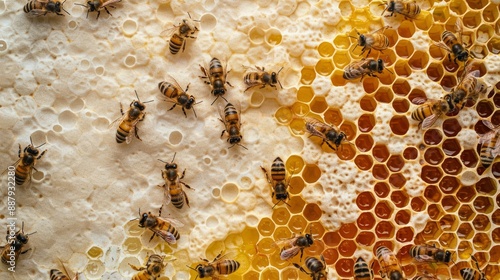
{"x":231,"y":120}
{"x":152,"y":270}
{"x":56,"y":274}
{"x":490,"y":146}
{"x":163,"y":227}
{"x":43,"y":7}
{"x":366,"y":66}
{"x":453,"y":45}
{"x":316,"y":267}
{"x":259,"y":77}
{"x":362,"y":271}
{"x":426,"y":277}
{"x":471,"y":273}
{"x":430,"y":253}
{"x":98,"y":5}
{"x":330,"y":134}
{"x":279,"y":184}
{"x":389,"y":264}
{"x":375,"y":40}
{"x":14,"y":247}
{"x":173,"y":185}
{"x":128,"y":121}
{"x":409,"y":10}
{"x":216,"y":268}
{"x":26,"y":163}
{"x":174,"y":93}
{"x":430,"y":110}
{"x":469,"y":88}
{"x":216,"y":77}
{"x":179,"y":33}
{"x":290,"y":247}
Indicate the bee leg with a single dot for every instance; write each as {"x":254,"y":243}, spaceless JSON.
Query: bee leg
{"x":137,"y":134}
{"x":301,"y":253}
{"x":107,"y":11}
{"x":135,"y":267}
{"x":25,"y":251}
{"x":152,"y":236}
{"x":265,"y":172}
{"x":204,"y":72}
{"x":184,"y":111}
{"x":187,"y":87}
{"x":329,"y":145}
{"x":227,"y":82}
{"x":183,"y":45}
{"x":175,"y":104}
{"x":40,"y":156}
{"x":186,"y":198}
{"x":222,"y":133}
{"x":19,"y":153}
{"x":121,"y":109}
{"x":98,"y":14}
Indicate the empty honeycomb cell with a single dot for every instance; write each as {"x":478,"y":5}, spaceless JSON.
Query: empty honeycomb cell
{"x":432,"y":193}
{"x":417,"y":204}
{"x":132,"y":245}
{"x":404,"y":48}
{"x":281,"y":216}
{"x":437,"y":52}
{"x":273,"y":37}
{"x":466,"y":193}
{"x":380,"y":172}
{"x":481,"y":241}
{"x":419,"y":60}
{"x":347,"y":248}
{"x":308,"y":74}
{"x":94,"y":269}
{"x":494,"y":45}
{"x":311,"y":173}
{"x":364,"y":142}
{"x":318,"y":104}
{"x":484,"y":33}
{"x":397,"y":180}
{"x":229,"y":192}
{"x":402,"y":69}
{"x":406,"y":29}
{"x":441,"y":14}
{"x":300,"y":109}
{"x":424,"y":21}
{"x":297,"y":184}
{"x":344,"y":267}
{"x":305,"y":94}
{"x":257,"y":99}
{"x":260,"y":261}
{"x":384,"y":95}
{"x":405,"y":234}
{"x":281,"y":233}
{"x":296,"y":204}
{"x":448,"y":240}
{"x":383,"y":210}
{"x":400,"y":105}
{"x":381,"y":189}
{"x":256,"y":35}
{"x":465,"y":213}
{"x":324,"y":67}
{"x":451,"y":147}
{"x":458,"y":6}
{"x":380,"y":152}
{"x":129,"y":27}
{"x":477,"y":4}
{"x":367,"y":103}
{"x":490,"y":13}
{"x":384,"y":230}
{"x":366,"y":122}
{"x":471,"y":19}
{"x":483,"y":204}
{"x":130,"y":61}
{"x":363,"y":162}
{"x":283,"y":115}
{"x":435,"y":211}
{"x":341,"y":58}
{"x":370,"y":84}
{"x":333,"y":116}
{"x":325,"y":49}
{"x":449,"y":203}
{"x":342,"y":41}
{"x":95,"y":252}
{"x":482,"y":222}
{"x":337,"y":79}
{"x":365,"y":221}
{"x":435,"y":72}
{"x":484,"y":108}
{"x":399,"y":198}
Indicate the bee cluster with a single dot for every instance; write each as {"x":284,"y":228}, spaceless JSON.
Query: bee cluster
{"x":470,"y":91}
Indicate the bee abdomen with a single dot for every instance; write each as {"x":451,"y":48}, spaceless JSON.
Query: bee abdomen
{"x":448,"y":38}
{"x":178,"y":200}
{"x":121,"y":134}
{"x":251,"y":79}
{"x":227,"y":266}
{"x":29,"y":6}
{"x":22,"y":172}
{"x":168,"y":89}
{"x":485,"y":154}
{"x":278,"y":172}
{"x":57,"y":275}
{"x":174,"y":232}
{"x":175,"y":43}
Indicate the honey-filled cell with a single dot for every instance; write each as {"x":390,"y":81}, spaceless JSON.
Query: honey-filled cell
{"x":341,"y":59}
{"x":325,"y":49}
{"x":381,"y":189}
{"x":432,"y":193}
{"x":337,"y":78}
{"x":469,"y":158}
{"x":380,"y":152}
{"x":363,"y":162}
{"x":330,"y":255}
{"x":397,"y":180}
{"x":431,"y":174}
{"x":346,"y":152}
{"x":333,"y":116}
{"x":432,"y":136}
{"x":465,"y":194}
{"x":316,"y":229}
{"x":283,"y":115}
{"x":380,"y":172}
{"x":465,"y":231}
{"x":417,"y":204}
{"x":483,"y":204}
{"x":290,"y":273}
{"x":482,"y":223}
{"x":449,"y":222}
{"x":451,"y":147}
{"x":332,"y":239}
{"x":383,"y":210}
{"x":297,"y":184}
{"x":395,"y":163}
{"x":410,"y":153}
{"x":452,"y":166}
{"x":435,"y":211}
{"x":347,"y":248}
{"x":297,"y":204}
{"x":451,"y":127}
{"x":448,"y":82}
{"x":401,"y":87}
{"x":448,"y":240}
{"x":399,"y":124}
{"x":384,"y":95}
{"x":251,"y":275}
{"x":294,"y":164}
{"x":266,"y":246}
{"x":431,"y":231}
{"x":305,"y":94}
{"x":342,"y":41}
{"x":400,"y":105}
{"x":399,"y":198}
{"x":318,"y":104}
{"x":402,"y":217}
{"x":405,"y":234}
{"x":484,"y":108}
{"x":308,"y":74}
{"x":270,"y":273}
{"x":450,"y":204}
{"x":370,"y":84}
{"x":365,"y":238}
{"x":280,"y":216}
{"x":404,"y":48}
{"x":312,"y":212}
{"x":465,"y":213}
{"x":481,"y":241}
{"x":449,"y":184}
{"x":324,"y":66}
{"x":281,"y":233}
{"x":364,"y":142}
{"x":384,"y":230}
{"x":365,"y":200}
{"x":348,"y":231}
{"x":311,"y":173}
{"x":495,"y":235}
{"x":368,"y":103}
{"x":435,"y":71}
{"x":365,"y":221}
{"x":366,"y":122}
{"x":344,"y":267}
{"x":402,"y":69}
{"x":487,"y":186}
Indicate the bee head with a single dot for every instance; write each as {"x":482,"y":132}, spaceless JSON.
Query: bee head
{"x":143,"y":219}
{"x":21,"y":237}
{"x":462,"y":55}
{"x":282,"y":196}
{"x":191,"y":101}
{"x":362,"y":40}
{"x":93,"y":5}
{"x":396,"y":275}
{"x":138,"y":105}
{"x":391,"y":6}
{"x":380,"y":65}
{"x":234,"y":139}
{"x":31,"y":150}
{"x":201,"y":271}
{"x":170,"y":166}
{"x":309,"y":239}
{"x":447,"y":257}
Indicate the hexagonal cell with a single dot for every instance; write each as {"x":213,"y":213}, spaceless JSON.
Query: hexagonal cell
{"x":337,"y":78}
{"x":432,"y":137}
{"x":132,"y":245}
{"x":441,"y":14}
{"x":297,"y":184}
{"x":344,"y":267}
{"x":431,"y":174}
{"x":458,"y":6}
{"x":402,"y":68}
{"x":437,"y":52}
{"x":480,"y":51}
{"x":402,"y":217}
{"x":384,"y":210}
{"x":318,"y":104}
{"x":482,"y":222}
{"x":410,"y":153}
{"x":401,"y":87}
{"x":331,"y":255}
{"x":423,"y":22}
{"x":433,"y":156}
{"x":324,"y":66}
{"x":363,"y":162}
{"x":484,"y":33}
{"x":471,"y":19}
{"x":270,"y":273}
{"x":464,"y":250}
{"x":395,"y":163}
{"x":366,"y":221}
{"x":311,"y":173}
{"x":465,"y":194}
{"x":448,"y":82}
{"x":417,"y":204}
{"x":364,"y":142}
{"x":250,"y":275}
{"x":349,"y":128}
{"x":397,"y":180}
{"x":469,"y":158}
{"x":312,"y":212}
{"x":365,"y":200}
{"x":485,"y":108}
{"x":380,"y":152}
{"x":282,"y":232}
{"x":281,"y":216}
{"x":490,"y":13}
{"x":305,"y":94}
{"x":370,"y":84}
{"x":296,"y":204}
{"x":341,"y":58}
{"x":405,"y":234}
{"x":288,"y":273}
{"x":477,"y":4}
{"x":399,"y":198}
{"x":481,"y":241}
{"x":495,"y":255}
{"x":365,"y":238}
{"x":487,"y":185}
{"x":381,"y":189}
{"x":451,"y":147}
{"x":333,"y":116}
{"x":404,"y":48}
{"x":297,"y":223}
{"x":449,"y":222}
{"x":308,"y":74}
{"x":366,"y":122}
{"x":435,"y":211}
{"x":406,"y":29}
{"x":448,"y":240}
{"x":451,"y":127}
{"x":401,"y":105}
{"x":300,"y":109}
{"x":465,"y":213}
{"x":346,"y":152}
{"x":384,"y":229}
{"x":380,"y":172}
{"x":384,"y":95}
{"x":95,"y":252}
{"x":317,"y":229}
{"x":432,"y":193}
{"x":326,"y":49}
{"x":419,"y":60}
{"x":431,"y":231}
{"x":495,"y":170}
{"x":449,"y":184}
{"x":494,"y":45}
{"x":332,"y":239}
{"x":495,"y":235}
{"x":449,"y":203}
{"x":342,"y":41}
{"x":266,"y":226}
{"x":483,"y":204}
{"x":435,"y":71}
{"x":347,"y":248}
{"x":465,"y":231}
{"x":348,"y":231}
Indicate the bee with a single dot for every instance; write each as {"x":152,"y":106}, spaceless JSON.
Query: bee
{"x":173,"y":185}
{"x":174,"y":93}
{"x":490,"y":146}
{"x":469,"y":88}
{"x":163,"y":227}
{"x":219,"y":266}
{"x":471,"y":273}
{"x":152,"y":270}
{"x":453,"y":45}
{"x":98,"y":5}
{"x":259,"y":77}
{"x":316,"y":267}
{"x":43,"y":7}
{"x":290,"y":247}
{"x":179,"y":33}
{"x":216,"y":76}
{"x":426,"y":277}
{"x":330,"y":134}
{"x":26,"y":163}
{"x":15,"y":244}
{"x":430,"y":253}
{"x":409,"y":10}
{"x":375,"y":40}
{"x":389,"y":264}
{"x":128,"y":121}
{"x":362,"y":271}
{"x":231,"y":120}
{"x":279,"y":184}
{"x":431,"y":109}
{"x":56,"y":274}
{"x":366,"y":66}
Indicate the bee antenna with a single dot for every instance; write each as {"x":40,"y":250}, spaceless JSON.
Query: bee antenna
{"x":242,"y":146}
{"x":162,"y":161}
{"x":137,"y":95}
{"x":215,"y":100}
{"x":31,"y":233}
{"x":22,"y":224}
{"x":389,"y":71}
{"x":148,"y":101}
{"x":279,"y":70}
{"x":173,"y":157}
{"x":192,"y":269}
{"x":79,"y":4}
{"x":194,"y":112}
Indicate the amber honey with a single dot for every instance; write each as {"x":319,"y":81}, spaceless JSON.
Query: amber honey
{"x":365,"y":238}
{"x":365,"y":221}
{"x":431,"y":174}
{"x":451,"y":147}
{"x":366,"y":122}
{"x":364,"y":142}
{"x":465,"y":194}
{"x":312,"y":212}
{"x":363,"y":162}
{"x":344,"y":267}
{"x":482,"y":222}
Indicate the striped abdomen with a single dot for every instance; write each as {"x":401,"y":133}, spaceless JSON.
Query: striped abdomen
{"x":56,"y":274}
{"x":216,"y":69}
{"x":177,"y":196}
{"x":449,"y":38}
{"x":172,"y":230}
{"x":380,"y":42}
{"x":278,"y":172}
{"x":422,"y":112}
{"x":24,"y":169}
{"x":169,"y":90}
{"x":252,"y":79}
{"x":225,"y":267}
{"x":32,"y":5}
{"x":123,"y":131}
{"x":231,"y":114}
{"x":175,"y":44}
{"x":361,"y":270}
{"x":485,"y":154}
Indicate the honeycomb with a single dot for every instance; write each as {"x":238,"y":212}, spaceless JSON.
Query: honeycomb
{"x":390,"y":185}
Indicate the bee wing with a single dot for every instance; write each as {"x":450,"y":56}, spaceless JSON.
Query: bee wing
{"x":486,"y":138}
{"x":429,"y":121}
{"x":459,"y":28}
{"x":286,"y":242}
{"x":220,"y":109}
{"x":14,"y":164}
{"x":424,"y":258}
{"x":118,"y":120}
{"x":173,"y":81}
{"x":172,"y":221}
{"x":253,"y":69}
{"x":165,"y":235}
{"x":168,"y":197}
{"x":496,"y":150}
{"x":109,"y":2}
{"x":488,"y":124}
{"x":289,"y":253}
{"x":355,"y":68}
{"x":132,"y":132}
{"x":418,"y":100}
{"x":169,"y":31}
{"x":443,"y":46}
